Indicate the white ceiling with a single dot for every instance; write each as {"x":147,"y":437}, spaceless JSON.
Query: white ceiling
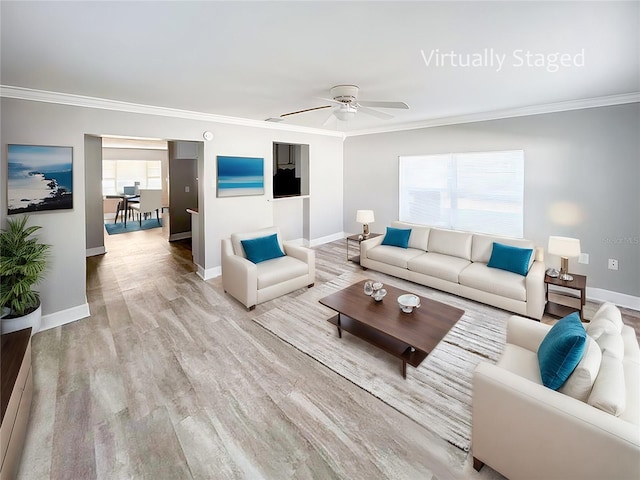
{"x":259,"y":60}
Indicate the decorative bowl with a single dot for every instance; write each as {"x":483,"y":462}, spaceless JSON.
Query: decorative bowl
{"x":379,"y":294}
{"x":377,"y":286}
{"x":408,"y":302}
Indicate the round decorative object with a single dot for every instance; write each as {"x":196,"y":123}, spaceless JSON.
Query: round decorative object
{"x":208,"y":135}
{"x":377,"y":286}
{"x":408,"y":302}
{"x":379,"y":294}
{"x":368,"y":287}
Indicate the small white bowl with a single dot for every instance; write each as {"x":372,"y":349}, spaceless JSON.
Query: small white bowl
{"x":408,"y":302}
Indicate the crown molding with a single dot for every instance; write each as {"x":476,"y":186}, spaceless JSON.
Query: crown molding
{"x":506,"y":113}
{"x":22,"y":93}
{"x":116,"y":105}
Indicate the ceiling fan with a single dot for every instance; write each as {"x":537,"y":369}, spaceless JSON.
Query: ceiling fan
{"x":345,"y":104}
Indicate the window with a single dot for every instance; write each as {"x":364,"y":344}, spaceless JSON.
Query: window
{"x":116,"y":174}
{"x":479,"y":192}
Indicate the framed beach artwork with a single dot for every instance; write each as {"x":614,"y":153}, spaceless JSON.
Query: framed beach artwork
{"x":238,"y":176}
{"x":40,"y":178}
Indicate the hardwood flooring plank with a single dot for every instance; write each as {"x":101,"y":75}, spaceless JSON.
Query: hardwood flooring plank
{"x":171,"y":378}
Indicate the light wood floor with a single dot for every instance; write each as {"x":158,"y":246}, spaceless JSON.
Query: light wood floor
{"x":169,"y":379}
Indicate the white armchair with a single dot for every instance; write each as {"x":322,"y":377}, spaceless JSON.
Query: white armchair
{"x":525,"y":430}
{"x":252,"y":283}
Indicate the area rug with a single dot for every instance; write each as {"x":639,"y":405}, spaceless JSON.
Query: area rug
{"x":132,"y":226}
{"x":437,"y":394}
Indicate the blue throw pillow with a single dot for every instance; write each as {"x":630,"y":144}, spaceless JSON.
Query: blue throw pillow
{"x":262,"y":248}
{"x":511,"y":259}
{"x":397,"y":237}
{"x":561,"y":350}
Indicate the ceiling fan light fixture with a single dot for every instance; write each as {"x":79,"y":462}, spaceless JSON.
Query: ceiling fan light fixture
{"x":346,"y":112}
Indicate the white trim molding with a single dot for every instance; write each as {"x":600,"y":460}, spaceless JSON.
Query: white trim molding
{"x":21,"y":93}
{"x":208,"y":273}
{"x":63,"y":317}
{"x":506,"y":113}
{"x":620,"y":299}
{"x":327,"y":239}
{"x":92,"y":252}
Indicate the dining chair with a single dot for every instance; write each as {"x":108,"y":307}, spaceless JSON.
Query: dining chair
{"x":150,"y":201}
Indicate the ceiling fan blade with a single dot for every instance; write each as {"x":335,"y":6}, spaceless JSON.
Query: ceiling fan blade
{"x":305,"y":110}
{"x":374,"y":113}
{"x":384,"y":104}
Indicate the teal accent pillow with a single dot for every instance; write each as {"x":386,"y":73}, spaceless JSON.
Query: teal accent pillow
{"x":262,"y":248}
{"x":397,"y":237}
{"x":511,"y":259}
{"x":561,"y":350}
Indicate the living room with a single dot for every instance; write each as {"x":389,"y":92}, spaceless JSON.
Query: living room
{"x":580,"y":142}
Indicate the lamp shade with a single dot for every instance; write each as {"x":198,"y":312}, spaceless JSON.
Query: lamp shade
{"x":564,"y":246}
{"x":365,"y":216}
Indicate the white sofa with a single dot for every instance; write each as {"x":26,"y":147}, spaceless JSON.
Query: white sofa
{"x":525,"y":430}
{"x":456,"y":262}
{"x":253,"y":283}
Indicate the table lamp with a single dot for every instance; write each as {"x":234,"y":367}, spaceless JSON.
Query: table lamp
{"x":365,"y":217}
{"x":564,"y":247}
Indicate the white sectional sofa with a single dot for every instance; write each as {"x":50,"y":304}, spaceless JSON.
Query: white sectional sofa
{"x":587,"y":430}
{"x":456,"y":262}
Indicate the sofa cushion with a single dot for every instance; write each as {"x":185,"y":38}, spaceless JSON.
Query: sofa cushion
{"x":609,"y":392}
{"x":509,"y":258}
{"x":393,"y":255}
{"x":262,"y":248}
{"x":278,"y":270}
{"x":580,"y":382}
{"x":607,"y":319}
{"x":491,"y":280}
{"x":612,"y":343}
{"x":419,"y":234}
{"x":236,"y":238}
{"x":449,"y":242}
{"x":438,"y":265}
{"x":561,"y":350}
{"x":482,"y":246}
{"x":397,"y":237}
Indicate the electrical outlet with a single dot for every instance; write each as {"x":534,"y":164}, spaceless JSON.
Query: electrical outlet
{"x":186,"y":189}
{"x":613,"y":264}
{"x":584,"y":258}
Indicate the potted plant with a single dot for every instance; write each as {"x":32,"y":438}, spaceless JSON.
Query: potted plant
{"x":23,"y":260}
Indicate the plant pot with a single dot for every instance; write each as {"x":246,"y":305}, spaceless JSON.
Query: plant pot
{"x":33,"y":320}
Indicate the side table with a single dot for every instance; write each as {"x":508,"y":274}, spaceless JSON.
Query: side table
{"x":356,"y":239}
{"x":559,"y":309}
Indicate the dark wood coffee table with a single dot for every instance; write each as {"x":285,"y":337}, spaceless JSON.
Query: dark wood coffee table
{"x":408,"y":336}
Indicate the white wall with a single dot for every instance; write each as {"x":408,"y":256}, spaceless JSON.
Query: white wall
{"x":582,"y":171}
{"x":39,"y":123}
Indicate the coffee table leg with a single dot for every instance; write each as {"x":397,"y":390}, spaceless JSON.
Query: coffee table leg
{"x":404,"y":369}
{"x":339,"y":327}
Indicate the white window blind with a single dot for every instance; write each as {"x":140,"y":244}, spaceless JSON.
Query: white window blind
{"x":116,"y":174}
{"x":479,"y":192}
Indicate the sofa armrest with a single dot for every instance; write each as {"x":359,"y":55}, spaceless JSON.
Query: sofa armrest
{"x":301,"y":253}
{"x":526,"y":333}
{"x":304,"y":254}
{"x":525,"y":430}
{"x":534,"y":283}
{"x":368,"y":244}
{"x":239,"y":276}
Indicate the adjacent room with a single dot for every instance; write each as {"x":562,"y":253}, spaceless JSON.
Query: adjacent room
{"x":306,"y":239}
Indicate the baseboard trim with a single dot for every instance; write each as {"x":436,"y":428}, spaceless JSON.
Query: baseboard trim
{"x":92,"y":252}
{"x":63,"y":317}
{"x":179,"y":236}
{"x":209,"y":273}
{"x":620,"y":299}
{"x":328,"y":239}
